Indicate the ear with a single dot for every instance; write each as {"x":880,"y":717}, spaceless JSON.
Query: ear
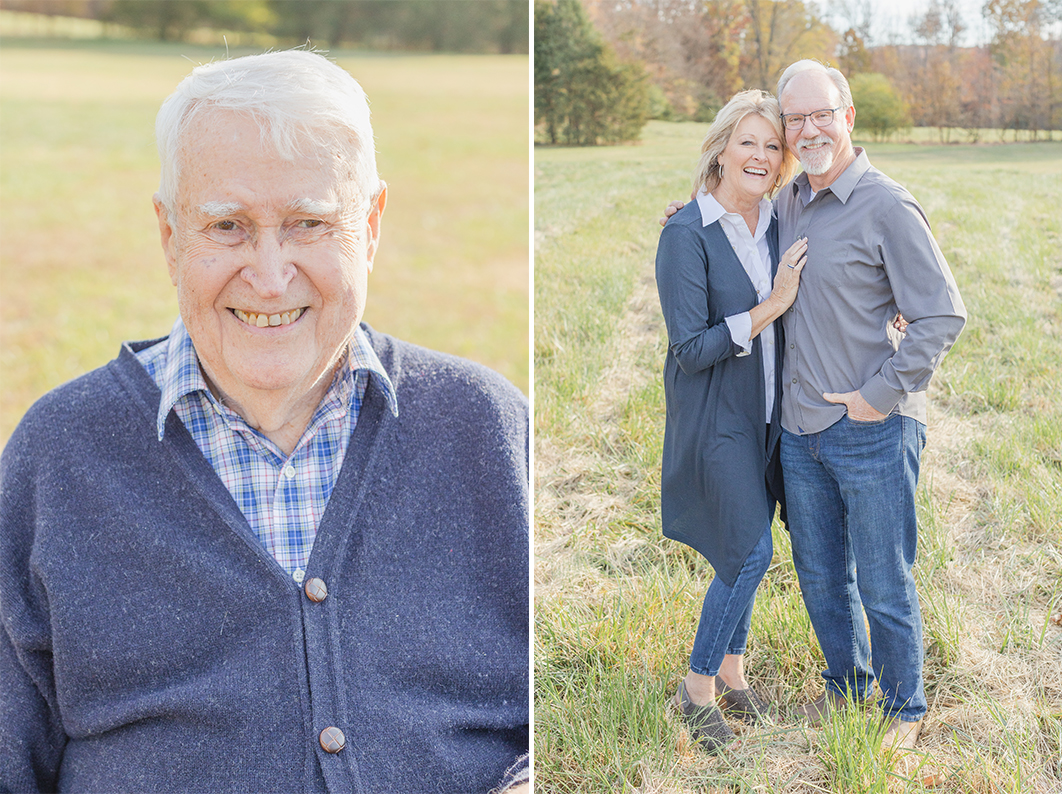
{"x":373,"y":223}
{"x":166,"y":232}
{"x":849,"y":118}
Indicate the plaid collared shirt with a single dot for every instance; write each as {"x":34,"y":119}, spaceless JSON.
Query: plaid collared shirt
{"x":282,"y":496}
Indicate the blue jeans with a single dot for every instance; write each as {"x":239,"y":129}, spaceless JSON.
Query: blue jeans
{"x":850,"y":493}
{"x":727,"y":611}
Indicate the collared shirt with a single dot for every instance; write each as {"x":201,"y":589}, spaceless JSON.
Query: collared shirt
{"x":870,"y":254}
{"x":282,"y":496}
{"x":755,"y":257}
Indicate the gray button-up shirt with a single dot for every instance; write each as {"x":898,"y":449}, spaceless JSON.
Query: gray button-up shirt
{"x":870,"y":254}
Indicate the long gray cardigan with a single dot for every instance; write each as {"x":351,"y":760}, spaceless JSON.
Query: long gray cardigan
{"x":149,"y":643}
{"x":720,"y":477}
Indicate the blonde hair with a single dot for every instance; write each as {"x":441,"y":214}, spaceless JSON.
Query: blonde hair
{"x":726,"y":121}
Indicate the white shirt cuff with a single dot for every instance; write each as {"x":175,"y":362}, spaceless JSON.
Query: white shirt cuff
{"x":740,"y":326}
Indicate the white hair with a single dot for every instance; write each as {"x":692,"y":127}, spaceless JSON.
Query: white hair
{"x":298,"y":98}
{"x":807,"y":65}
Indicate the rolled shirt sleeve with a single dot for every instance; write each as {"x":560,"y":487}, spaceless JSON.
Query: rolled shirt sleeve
{"x":740,"y":326}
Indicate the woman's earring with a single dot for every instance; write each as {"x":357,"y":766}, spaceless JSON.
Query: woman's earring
{"x":719,"y":165}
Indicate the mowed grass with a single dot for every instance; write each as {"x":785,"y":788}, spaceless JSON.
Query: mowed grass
{"x":81,"y":268}
{"x":617,"y":606}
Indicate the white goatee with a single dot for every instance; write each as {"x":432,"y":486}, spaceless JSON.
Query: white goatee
{"x":818,"y":161}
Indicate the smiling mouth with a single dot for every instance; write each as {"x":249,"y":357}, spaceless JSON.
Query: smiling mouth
{"x":814,"y":144}
{"x":756,"y":171}
{"x":264,"y":320}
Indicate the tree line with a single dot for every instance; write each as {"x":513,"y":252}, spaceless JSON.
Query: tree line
{"x":500,"y":26}
{"x":682,"y":59}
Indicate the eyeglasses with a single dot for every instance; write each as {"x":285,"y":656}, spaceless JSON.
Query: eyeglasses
{"x":820,"y":118}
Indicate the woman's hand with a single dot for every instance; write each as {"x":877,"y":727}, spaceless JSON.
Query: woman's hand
{"x":784,"y":290}
{"x":787,"y":279}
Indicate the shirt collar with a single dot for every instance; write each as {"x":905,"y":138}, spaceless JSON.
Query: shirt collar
{"x":712,"y":210}
{"x":181,"y":375}
{"x":843,"y":185}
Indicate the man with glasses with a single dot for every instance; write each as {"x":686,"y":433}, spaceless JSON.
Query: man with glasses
{"x":854,"y":400}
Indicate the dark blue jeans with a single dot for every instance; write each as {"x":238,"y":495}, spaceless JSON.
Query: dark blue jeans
{"x":727,"y":611}
{"x":850,"y":493}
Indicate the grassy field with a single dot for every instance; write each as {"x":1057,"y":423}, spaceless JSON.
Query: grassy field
{"x":81,"y":269}
{"x":617,"y":606}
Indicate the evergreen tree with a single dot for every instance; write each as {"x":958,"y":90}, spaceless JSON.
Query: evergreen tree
{"x":583,"y":94}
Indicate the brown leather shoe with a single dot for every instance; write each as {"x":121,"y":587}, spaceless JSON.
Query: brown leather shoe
{"x":900,"y":735}
{"x":818,"y":711}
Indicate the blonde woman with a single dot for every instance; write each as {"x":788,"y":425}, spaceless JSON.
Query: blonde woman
{"x":723,"y":288}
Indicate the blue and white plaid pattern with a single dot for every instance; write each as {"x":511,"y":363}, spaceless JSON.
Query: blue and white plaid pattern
{"x":282,"y":497}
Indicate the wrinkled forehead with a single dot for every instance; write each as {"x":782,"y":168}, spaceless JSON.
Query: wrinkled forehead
{"x":809,"y":90}
{"x":207,"y":129}
{"x":246,"y":128}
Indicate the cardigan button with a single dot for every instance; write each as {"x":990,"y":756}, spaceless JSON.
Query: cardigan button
{"x":332,"y":740}
{"x":316,"y":590}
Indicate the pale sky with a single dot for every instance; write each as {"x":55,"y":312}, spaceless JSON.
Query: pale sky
{"x":890,"y":19}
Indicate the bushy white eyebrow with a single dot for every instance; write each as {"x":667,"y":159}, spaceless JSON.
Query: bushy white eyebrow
{"x":306,"y":206}
{"x":219,"y":209}
{"x":314,"y":207}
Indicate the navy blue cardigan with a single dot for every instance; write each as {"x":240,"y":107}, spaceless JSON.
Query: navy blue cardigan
{"x":720,"y":477}
{"x":150,"y":644}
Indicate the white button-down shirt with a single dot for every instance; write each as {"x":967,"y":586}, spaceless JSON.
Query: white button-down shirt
{"x":755,"y":257}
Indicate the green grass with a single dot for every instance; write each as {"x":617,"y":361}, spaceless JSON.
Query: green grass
{"x":81,"y":269}
{"x":617,"y":605}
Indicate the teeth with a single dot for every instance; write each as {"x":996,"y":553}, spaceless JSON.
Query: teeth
{"x":263,"y":320}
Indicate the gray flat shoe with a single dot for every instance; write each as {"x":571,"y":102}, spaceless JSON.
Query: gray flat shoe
{"x":706,"y":723}
{"x":742,"y":703}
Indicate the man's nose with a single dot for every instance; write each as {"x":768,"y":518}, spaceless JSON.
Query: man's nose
{"x":269,"y":269}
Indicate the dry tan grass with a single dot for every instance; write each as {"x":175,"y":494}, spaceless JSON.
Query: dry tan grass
{"x":568,"y":493}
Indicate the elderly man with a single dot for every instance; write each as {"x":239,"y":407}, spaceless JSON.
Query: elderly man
{"x":854,"y":402}
{"x":854,"y":399}
{"x":276,"y":550}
